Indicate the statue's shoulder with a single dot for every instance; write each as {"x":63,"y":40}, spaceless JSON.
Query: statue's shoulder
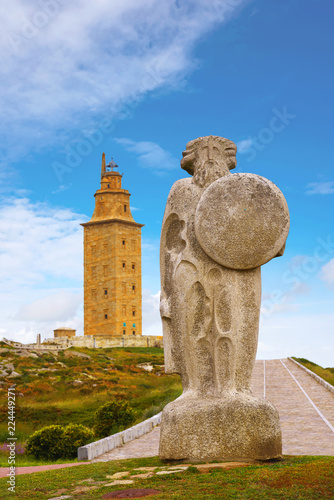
{"x":183,"y":198}
{"x":181,"y":189}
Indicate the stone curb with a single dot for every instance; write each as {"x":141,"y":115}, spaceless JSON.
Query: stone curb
{"x":93,"y":450}
{"x":315,"y":376}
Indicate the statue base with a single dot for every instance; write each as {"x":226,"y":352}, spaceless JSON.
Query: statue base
{"x":236,"y":427}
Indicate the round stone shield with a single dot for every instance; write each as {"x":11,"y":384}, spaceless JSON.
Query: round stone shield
{"x":242,"y":221}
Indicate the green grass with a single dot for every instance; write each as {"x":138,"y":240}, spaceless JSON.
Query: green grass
{"x":45,"y":397}
{"x":325,"y":373}
{"x":294,"y":478}
{"x":29,"y":460}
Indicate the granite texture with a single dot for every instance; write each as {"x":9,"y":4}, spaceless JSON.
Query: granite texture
{"x":218,"y":228}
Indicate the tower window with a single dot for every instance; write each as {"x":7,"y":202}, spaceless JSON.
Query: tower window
{"x":124,"y":208}
{"x":105,"y":312}
{"x":133,"y":288}
{"x":123,"y":264}
{"x":134,"y":312}
{"x":133,"y":333}
{"x":133,"y":267}
{"x":123,"y":332}
{"x":105,"y":293}
{"x":108,"y":185}
{"x":123,"y":243}
{"x":106,"y":316}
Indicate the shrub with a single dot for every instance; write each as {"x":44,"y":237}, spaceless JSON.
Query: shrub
{"x":55,"y":441}
{"x":112,"y":417}
{"x":75,"y":435}
{"x":46,"y":443}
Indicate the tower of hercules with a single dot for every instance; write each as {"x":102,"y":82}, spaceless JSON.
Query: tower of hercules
{"x":112,"y":261}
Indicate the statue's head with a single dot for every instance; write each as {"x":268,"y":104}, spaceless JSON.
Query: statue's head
{"x":209,"y":158}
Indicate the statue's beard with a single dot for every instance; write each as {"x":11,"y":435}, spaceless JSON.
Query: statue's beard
{"x":209,"y":171}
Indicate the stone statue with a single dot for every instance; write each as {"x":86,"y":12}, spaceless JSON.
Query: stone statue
{"x":218,"y":229}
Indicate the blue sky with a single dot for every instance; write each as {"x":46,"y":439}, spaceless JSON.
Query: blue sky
{"x":138,"y":80}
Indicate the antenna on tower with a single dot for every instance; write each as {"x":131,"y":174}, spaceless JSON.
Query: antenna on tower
{"x":111,"y":165}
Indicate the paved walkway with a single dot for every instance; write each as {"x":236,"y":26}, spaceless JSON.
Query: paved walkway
{"x":307,"y":418}
{"x":38,"y":468}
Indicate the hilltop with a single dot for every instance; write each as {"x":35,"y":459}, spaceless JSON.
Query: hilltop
{"x":68,"y":386}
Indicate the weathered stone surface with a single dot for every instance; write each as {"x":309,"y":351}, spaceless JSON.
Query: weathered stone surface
{"x":236,"y":427}
{"x":210,"y":305}
{"x":242,"y":221}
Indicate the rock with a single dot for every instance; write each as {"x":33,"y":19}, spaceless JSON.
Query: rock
{"x":120,"y":481}
{"x":14,"y":375}
{"x":76,"y":354}
{"x":142,"y":476}
{"x":225,"y":465}
{"x":118,"y":475}
{"x":26,"y":354}
{"x":91,"y":377}
{"x":77,"y":382}
{"x":146,"y":366}
{"x":163,"y":472}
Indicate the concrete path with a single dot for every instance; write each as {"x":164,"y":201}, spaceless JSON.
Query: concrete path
{"x":306,"y":408}
{"x":38,"y":468}
{"x":306,"y":411}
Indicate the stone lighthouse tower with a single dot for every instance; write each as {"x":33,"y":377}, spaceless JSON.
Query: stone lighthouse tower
{"x":112,"y":261}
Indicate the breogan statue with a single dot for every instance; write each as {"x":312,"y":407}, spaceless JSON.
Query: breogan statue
{"x":218,"y":230}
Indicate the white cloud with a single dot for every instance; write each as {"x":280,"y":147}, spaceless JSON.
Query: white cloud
{"x":151,"y":315}
{"x":151,"y":155}
{"x":303,"y":335}
{"x":39,"y":244}
{"x":243,"y":146}
{"x":56,"y":307}
{"x":65,"y":60}
{"x":327,"y":273}
{"x":320,"y":188}
{"x":41,"y":250}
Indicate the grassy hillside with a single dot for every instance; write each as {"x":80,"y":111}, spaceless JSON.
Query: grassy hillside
{"x":325,"y":373}
{"x":69,"y":386}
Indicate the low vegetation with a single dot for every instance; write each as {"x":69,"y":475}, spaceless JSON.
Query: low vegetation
{"x":55,"y":441}
{"x":302,"y":478}
{"x":70,"y":386}
{"x":113,"y":417}
{"x":325,"y":373}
